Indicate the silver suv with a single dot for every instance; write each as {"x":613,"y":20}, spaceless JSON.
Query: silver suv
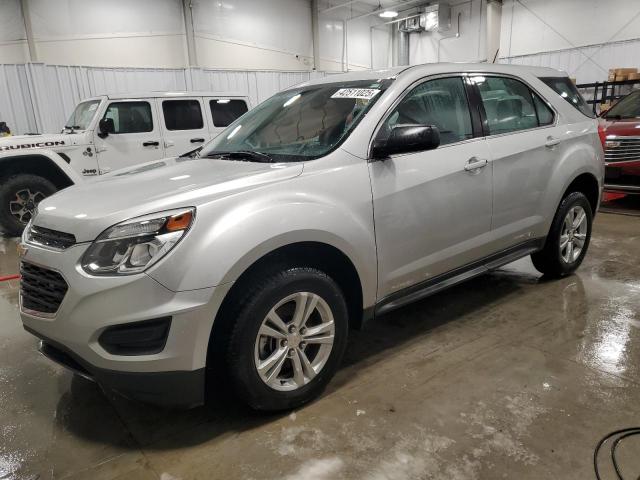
{"x":331,"y":202}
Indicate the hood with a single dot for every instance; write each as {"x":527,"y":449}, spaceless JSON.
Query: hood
{"x":627,"y":127}
{"x":87,"y":209}
{"x":50,"y":140}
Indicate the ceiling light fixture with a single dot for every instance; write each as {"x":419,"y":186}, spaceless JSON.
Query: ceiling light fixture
{"x":388,"y":14}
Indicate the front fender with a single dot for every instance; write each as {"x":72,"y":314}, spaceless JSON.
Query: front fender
{"x":12,"y":157}
{"x":223,"y":251}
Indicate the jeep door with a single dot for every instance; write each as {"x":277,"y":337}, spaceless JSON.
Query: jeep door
{"x":137,"y":136}
{"x":432,"y":209}
{"x":183,"y":125}
{"x":524,"y":142}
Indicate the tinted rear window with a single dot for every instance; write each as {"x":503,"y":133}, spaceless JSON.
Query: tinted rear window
{"x":564,"y":87}
{"x":225,"y":111}
{"x":182,"y":114}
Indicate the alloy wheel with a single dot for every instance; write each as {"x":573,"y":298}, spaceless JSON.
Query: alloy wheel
{"x":294,"y":341}
{"x":24,"y":205}
{"x":574,"y":234}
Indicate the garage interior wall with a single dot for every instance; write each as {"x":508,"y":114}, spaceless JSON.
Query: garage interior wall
{"x":39,"y":98}
{"x":583,"y":37}
{"x":256,"y":47}
{"x":464,"y":41}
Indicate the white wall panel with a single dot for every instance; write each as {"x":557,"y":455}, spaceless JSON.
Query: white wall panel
{"x":535,"y":26}
{"x":587,"y":64}
{"x":13,"y":43}
{"x":274,"y":25}
{"x":16,"y":106}
{"x":11,"y":23}
{"x":39,"y":97}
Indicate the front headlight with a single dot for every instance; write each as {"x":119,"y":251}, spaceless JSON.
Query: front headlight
{"x":134,"y":245}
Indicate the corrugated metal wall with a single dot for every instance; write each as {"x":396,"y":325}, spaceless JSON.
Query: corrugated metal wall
{"x":586,"y":64}
{"x":39,"y":98}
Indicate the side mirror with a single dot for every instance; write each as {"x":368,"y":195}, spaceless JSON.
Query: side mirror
{"x":405,"y":139}
{"x":105,"y":127}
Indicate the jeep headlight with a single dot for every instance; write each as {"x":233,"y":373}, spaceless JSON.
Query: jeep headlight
{"x":134,"y":245}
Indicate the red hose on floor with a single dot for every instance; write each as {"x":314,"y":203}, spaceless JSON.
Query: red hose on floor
{"x":9,"y":277}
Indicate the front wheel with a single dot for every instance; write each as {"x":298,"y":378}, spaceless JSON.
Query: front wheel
{"x":288,"y":339}
{"x":568,"y":238}
{"x":19,"y":197}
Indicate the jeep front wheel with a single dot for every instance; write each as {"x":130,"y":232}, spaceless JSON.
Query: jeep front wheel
{"x":19,"y":197}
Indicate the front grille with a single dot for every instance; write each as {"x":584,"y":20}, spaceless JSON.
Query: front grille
{"x":41,"y":289}
{"x":50,"y":238}
{"x":622,"y":149}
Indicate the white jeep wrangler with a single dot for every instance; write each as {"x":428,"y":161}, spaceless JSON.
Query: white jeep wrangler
{"x":104,"y":134}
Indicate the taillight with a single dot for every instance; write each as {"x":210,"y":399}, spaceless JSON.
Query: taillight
{"x":603,"y":136}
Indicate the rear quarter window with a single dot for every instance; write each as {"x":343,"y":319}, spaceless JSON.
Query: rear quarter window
{"x":564,"y":87}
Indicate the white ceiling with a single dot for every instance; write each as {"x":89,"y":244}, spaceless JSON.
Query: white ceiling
{"x":347,"y":8}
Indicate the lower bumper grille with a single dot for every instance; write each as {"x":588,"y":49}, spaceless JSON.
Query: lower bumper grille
{"x":42,"y":290}
{"x":622,"y":176}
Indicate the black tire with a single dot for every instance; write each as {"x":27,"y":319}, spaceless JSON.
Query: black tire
{"x":549,"y":260}
{"x":9,"y":189}
{"x":249,"y":314}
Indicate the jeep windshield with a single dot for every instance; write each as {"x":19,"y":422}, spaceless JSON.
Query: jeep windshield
{"x":82,"y":115}
{"x":298,"y":124}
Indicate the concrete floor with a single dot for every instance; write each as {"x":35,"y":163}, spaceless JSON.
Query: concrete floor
{"x":506,"y":376}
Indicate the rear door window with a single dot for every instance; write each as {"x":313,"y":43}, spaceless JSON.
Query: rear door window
{"x":564,"y":87}
{"x":226,"y":111}
{"x":182,"y":114}
{"x":511,"y":106}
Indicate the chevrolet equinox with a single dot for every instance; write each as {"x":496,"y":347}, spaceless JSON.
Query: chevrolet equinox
{"x":331,"y":202}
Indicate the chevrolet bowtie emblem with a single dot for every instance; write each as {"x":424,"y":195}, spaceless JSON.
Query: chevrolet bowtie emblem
{"x":22,"y":250}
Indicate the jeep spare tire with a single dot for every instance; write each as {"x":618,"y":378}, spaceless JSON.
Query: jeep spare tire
{"x":19,"y":197}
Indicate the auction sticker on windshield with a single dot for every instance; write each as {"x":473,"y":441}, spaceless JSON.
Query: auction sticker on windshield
{"x":365,"y":93}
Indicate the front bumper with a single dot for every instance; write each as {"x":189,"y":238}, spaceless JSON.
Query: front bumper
{"x":181,"y":389}
{"x":92,"y":304}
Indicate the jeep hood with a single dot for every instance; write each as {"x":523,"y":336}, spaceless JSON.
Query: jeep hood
{"x":87,"y":209}
{"x":21,"y":142}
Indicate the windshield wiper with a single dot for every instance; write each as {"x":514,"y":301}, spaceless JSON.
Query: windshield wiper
{"x":242,"y":155}
{"x":72,"y":127}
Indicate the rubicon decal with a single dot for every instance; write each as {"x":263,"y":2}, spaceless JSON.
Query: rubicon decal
{"x":32,"y":145}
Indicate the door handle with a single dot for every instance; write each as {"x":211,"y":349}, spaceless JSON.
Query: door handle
{"x":475,"y":163}
{"x":197,"y":140}
{"x":551,"y":141}
{"x":151,"y":143}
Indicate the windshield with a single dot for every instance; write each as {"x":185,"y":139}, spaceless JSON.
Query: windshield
{"x":298,"y":124}
{"x":82,"y":115}
{"x":628,"y":107}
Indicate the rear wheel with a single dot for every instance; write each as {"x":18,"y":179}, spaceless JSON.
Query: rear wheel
{"x":568,"y":238}
{"x":288,"y":339}
{"x":19,"y":196}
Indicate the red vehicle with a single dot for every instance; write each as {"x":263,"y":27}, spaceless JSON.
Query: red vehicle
{"x":620,"y":129}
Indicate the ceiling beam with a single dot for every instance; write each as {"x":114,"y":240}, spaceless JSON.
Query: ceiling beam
{"x":341,"y":5}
